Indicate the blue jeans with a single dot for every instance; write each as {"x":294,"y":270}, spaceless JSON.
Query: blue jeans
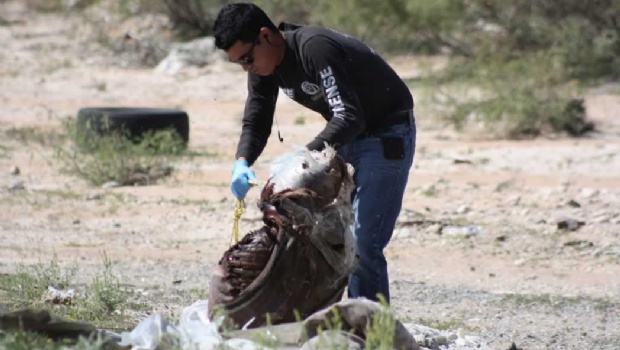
{"x":377,"y":199}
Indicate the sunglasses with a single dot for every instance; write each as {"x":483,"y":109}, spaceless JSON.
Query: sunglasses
{"x":248,"y":57}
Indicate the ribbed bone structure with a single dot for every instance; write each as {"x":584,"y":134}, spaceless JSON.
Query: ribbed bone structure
{"x":244,"y":261}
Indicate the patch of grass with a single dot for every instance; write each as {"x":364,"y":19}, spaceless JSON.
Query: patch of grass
{"x":35,"y":135}
{"x":381,"y":329}
{"x":107,"y":293}
{"x":538,"y":100}
{"x":27,"y":286}
{"x":102,"y":302}
{"x":430,"y":191}
{"x":99,"y":159}
{"x":4,"y":151}
{"x":300,"y":120}
{"x":63,"y":195}
{"x":42,"y":199}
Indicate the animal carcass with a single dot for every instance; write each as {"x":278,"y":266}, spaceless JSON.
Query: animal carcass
{"x":298,"y":262}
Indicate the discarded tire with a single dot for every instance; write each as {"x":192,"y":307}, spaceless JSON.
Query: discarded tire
{"x":132,"y":121}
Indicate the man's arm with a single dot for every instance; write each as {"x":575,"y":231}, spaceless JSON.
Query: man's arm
{"x":257,"y":117}
{"x":326,"y":60}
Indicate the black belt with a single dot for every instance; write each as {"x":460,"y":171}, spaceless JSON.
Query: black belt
{"x":402,"y":117}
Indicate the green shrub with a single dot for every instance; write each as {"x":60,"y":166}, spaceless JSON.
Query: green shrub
{"x":100,"y":158}
{"x":513,"y":97}
{"x":107,"y":294}
{"x":27,"y":286}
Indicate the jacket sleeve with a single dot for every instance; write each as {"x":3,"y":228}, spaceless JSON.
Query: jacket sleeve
{"x":325,"y":60}
{"x":257,"y":117}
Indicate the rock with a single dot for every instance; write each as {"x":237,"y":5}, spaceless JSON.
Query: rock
{"x":603,"y":216}
{"x":434,"y":229}
{"x":199,"y":53}
{"x":427,"y":342}
{"x":589,"y":193}
{"x":463,"y":209}
{"x":514,"y":201}
{"x":573,"y":203}
{"x":579,"y":244}
{"x":565,"y":184}
{"x":403,"y":233}
{"x":570,"y":225}
{"x":58,"y":297}
{"x":334,"y":340}
{"x":17,"y":186}
{"x":110,"y":184}
{"x":15,"y":171}
{"x":461,"y":231}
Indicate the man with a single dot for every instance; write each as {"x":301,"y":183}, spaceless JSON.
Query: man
{"x":368,"y":109}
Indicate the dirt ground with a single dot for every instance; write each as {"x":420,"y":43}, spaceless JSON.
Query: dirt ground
{"x":516,"y":279}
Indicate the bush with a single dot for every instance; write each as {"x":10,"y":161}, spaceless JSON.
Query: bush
{"x":512,"y":97}
{"x":114,"y":157}
{"x":397,"y":25}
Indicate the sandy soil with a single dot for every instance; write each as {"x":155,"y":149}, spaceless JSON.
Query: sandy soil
{"x":518,"y":279}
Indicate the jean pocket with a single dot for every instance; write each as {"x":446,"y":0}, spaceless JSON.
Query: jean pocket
{"x":393,"y":148}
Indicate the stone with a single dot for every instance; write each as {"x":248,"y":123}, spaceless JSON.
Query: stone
{"x":15,"y":171}
{"x":461,"y":231}
{"x":17,"y":186}
{"x":514,"y":201}
{"x":59,"y":297}
{"x":198,"y":53}
{"x":463,"y":209}
{"x":570,"y":225}
{"x":110,"y":184}
{"x":334,"y":340}
{"x":601,"y":217}
{"x":589,"y":193}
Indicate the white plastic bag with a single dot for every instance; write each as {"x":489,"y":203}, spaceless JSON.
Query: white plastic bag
{"x":196,"y":330}
{"x":147,"y":334}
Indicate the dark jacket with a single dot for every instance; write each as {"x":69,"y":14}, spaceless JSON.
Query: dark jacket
{"x":331,"y":73}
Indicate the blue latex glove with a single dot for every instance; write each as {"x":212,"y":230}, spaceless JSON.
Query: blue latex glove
{"x":241,"y":176}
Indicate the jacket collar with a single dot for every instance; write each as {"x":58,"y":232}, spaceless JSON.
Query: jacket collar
{"x":286,"y":27}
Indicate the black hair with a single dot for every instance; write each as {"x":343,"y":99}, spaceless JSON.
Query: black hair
{"x":239,"y":21}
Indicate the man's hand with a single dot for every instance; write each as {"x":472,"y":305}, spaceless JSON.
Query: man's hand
{"x":242,"y":175}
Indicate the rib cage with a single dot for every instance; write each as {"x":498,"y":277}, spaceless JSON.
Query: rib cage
{"x":244,"y":261}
